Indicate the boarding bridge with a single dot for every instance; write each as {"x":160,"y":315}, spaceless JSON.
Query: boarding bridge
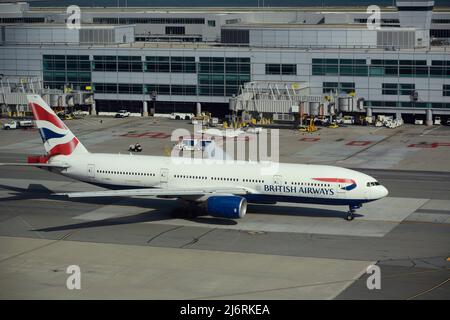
{"x":13,"y":95}
{"x":286,"y":99}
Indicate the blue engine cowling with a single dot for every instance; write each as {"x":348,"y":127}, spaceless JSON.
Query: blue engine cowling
{"x":230,"y":207}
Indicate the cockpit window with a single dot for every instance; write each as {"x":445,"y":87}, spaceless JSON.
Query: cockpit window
{"x":372,"y":184}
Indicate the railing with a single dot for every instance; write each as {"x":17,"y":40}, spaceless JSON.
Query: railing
{"x":207,"y":44}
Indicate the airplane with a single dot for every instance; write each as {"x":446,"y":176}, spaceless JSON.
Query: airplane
{"x":218,"y":190}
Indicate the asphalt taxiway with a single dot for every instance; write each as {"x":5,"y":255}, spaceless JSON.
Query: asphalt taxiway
{"x":133,"y":248}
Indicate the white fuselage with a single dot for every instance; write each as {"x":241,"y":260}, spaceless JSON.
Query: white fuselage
{"x":291,"y":182}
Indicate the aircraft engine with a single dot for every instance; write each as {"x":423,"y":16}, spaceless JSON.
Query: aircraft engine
{"x":230,"y":207}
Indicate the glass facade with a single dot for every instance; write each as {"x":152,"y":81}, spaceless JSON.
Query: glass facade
{"x":222,"y":76}
{"x":117,"y":63}
{"x":174,"y":89}
{"x":160,"y":89}
{"x":170,"y":64}
{"x":105,"y":87}
{"x":381,"y":68}
{"x":219,"y":76}
{"x":281,"y":69}
{"x":446,"y":90}
{"x":338,"y":87}
{"x":402,"y":89}
{"x":70,"y":70}
{"x":115,"y":20}
{"x":336,"y":67}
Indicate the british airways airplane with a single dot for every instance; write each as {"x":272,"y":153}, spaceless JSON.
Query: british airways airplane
{"x":218,"y":190}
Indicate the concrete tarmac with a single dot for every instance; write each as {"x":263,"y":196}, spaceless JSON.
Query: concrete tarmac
{"x":133,"y":248}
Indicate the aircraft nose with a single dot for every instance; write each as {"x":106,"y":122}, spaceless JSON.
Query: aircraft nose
{"x":383,"y":191}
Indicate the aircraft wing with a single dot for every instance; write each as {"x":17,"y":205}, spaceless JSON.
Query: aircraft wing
{"x":37,"y":165}
{"x":175,"y":192}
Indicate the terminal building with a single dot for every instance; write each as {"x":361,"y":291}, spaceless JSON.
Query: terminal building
{"x":164,"y":60}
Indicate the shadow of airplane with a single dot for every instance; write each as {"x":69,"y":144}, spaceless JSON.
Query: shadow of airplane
{"x":38,"y":191}
{"x":149,"y":216}
{"x":298,"y":211}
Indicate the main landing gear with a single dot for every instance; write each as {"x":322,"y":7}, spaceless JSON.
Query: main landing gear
{"x":188,"y":210}
{"x":351,"y":211}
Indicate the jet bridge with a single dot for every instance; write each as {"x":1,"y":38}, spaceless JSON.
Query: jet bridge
{"x":281,"y":99}
{"x":14,"y":90}
{"x":285,"y":100}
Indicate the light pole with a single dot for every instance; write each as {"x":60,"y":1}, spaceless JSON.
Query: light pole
{"x":153,"y":96}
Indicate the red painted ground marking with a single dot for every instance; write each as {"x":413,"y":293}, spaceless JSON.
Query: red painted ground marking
{"x":154,"y":135}
{"x":158,"y":135}
{"x":443,"y":144}
{"x":132,"y":135}
{"x":423,"y":145}
{"x":359,"y":143}
{"x":309,"y":139}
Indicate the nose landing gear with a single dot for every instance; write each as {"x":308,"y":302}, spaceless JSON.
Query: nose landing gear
{"x":351,"y":211}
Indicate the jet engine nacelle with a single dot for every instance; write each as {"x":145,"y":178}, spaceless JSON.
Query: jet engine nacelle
{"x":230,"y":207}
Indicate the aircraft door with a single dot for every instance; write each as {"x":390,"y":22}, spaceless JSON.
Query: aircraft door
{"x":164,"y":177}
{"x":91,"y":171}
{"x":277,"y":180}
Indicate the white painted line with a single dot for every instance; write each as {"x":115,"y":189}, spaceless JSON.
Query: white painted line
{"x":112,"y":211}
{"x":429,"y":130}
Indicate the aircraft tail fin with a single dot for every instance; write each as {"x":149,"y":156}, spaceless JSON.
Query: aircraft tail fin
{"x":56,"y":136}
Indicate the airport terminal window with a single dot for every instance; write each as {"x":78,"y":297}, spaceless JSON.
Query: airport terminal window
{"x":338,"y":87}
{"x":71,"y":70}
{"x":125,"y":88}
{"x":105,"y":87}
{"x":175,"y":30}
{"x":105,"y":63}
{"x":160,"y":89}
{"x":440,"y":21}
{"x":406,"y":89}
{"x":288,"y":69}
{"x":183,"y":90}
{"x":23,"y":20}
{"x":281,"y":69}
{"x":170,"y":64}
{"x":219,"y":76}
{"x":183,"y":65}
{"x":403,"y":89}
{"x":322,"y":67}
{"x":353,"y":67}
{"x":175,"y":89}
{"x":390,"y":89}
{"x":446,"y":90}
{"x":440,"y":33}
{"x":129,"y":64}
{"x":377,"y":68}
{"x":114,"y":20}
{"x":78,"y":63}
{"x":440,"y":69}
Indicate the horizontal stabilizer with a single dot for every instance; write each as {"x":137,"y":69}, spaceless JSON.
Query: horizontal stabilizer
{"x":37,"y":165}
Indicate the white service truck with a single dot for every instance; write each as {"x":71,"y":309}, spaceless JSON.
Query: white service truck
{"x":17,"y":124}
{"x":181,"y":116}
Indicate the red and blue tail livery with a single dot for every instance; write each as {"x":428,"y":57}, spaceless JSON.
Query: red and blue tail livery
{"x":57,"y":138}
